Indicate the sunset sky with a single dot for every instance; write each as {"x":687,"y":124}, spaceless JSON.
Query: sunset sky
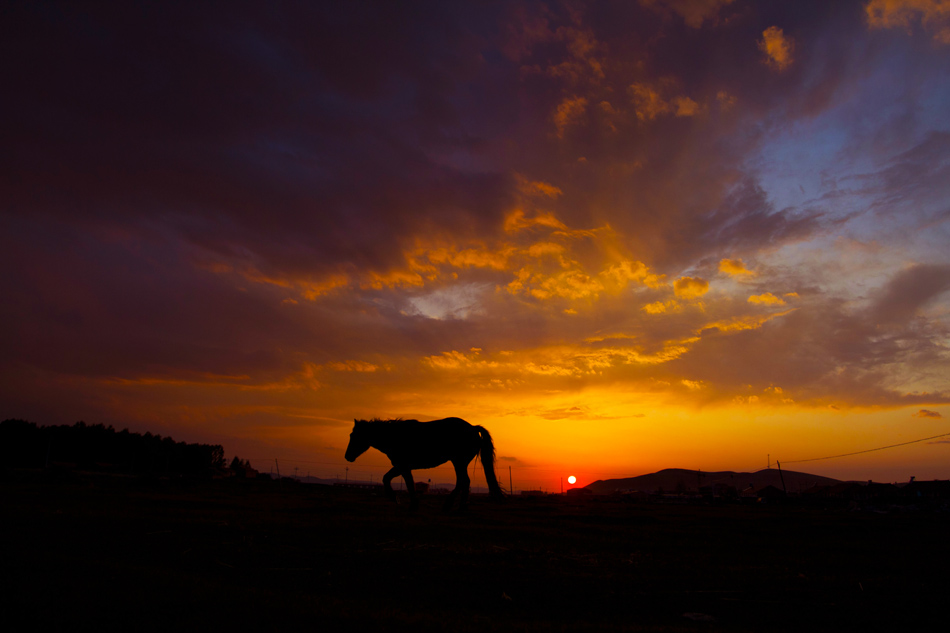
{"x":623,"y":236}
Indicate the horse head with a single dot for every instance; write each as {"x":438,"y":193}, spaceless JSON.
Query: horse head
{"x":359,"y":440}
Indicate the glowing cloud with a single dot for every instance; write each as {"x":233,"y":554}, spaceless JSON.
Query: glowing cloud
{"x":647,"y":102}
{"x":734,"y":267}
{"x":933,"y":15}
{"x":690,"y":287}
{"x":685,"y":106}
{"x":569,"y":112}
{"x":927,"y":413}
{"x":766,"y":299}
{"x":777,"y":48}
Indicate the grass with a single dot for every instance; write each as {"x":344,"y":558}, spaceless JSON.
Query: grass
{"x":114,"y":554}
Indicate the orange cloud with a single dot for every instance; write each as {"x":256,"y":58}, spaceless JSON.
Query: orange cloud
{"x":690,"y":287}
{"x":659,"y":307}
{"x":537,"y":188}
{"x":726,"y":100}
{"x":686,"y":106}
{"x":516,"y":220}
{"x":766,"y":298}
{"x":933,"y":15}
{"x":777,"y":48}
{"x":927,"y":413}
{"x":353,"y":365}
{"x":647,"y":102}
{"x":734,"y":267}
{"x":569,"y":112}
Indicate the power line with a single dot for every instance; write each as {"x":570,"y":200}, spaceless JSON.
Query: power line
{"x":870,"y":450}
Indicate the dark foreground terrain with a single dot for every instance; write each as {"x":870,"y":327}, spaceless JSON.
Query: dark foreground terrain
{"x":122,"y":554}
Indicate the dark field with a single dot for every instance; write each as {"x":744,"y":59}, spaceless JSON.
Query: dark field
{"x":124,"y":554}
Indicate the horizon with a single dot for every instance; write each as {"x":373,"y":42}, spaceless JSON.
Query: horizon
{"x":618,"y":236}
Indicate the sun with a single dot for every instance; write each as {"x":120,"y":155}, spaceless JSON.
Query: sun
{"x":572,"y":479}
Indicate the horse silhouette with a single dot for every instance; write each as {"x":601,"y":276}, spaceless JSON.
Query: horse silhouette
{"x":411,"y":445}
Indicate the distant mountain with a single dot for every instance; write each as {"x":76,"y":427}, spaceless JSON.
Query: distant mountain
{"x":679,"y":479}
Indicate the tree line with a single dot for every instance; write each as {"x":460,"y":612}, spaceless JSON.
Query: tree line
{"x":97,"y":447}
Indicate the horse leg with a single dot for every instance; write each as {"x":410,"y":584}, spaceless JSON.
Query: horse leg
{"x":462,"y":483}
{"x":387,"y":482}
{"x":411,"y":487}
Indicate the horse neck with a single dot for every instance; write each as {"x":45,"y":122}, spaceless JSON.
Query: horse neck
{"x":381,"y":437}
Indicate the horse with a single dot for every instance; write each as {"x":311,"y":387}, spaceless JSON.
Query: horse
{"x":411,"y":445}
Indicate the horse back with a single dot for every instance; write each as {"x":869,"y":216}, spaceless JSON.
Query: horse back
{"x":429,"y":444}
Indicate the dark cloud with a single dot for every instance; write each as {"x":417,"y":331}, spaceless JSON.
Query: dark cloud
{"x":908,"y":291}
{"x":249,"y":216}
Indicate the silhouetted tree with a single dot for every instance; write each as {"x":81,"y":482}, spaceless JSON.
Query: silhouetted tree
{"x":25,"y":445}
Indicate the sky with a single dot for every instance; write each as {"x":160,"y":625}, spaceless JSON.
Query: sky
{"x":623,"y":236}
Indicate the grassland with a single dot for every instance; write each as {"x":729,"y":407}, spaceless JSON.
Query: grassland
{"x":126,"y":554}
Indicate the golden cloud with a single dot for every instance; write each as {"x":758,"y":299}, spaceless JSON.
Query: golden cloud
{"x":690,"y":287}
{"x":734,"y":267}
{"x":537,"y":188}
{"x":744,"y":323}
{"x":777,"y":48}
{"x":516,"y":221}
{"x":927,"y":413}
{"x":353,"y":365}
{"x":659,"y":307}
{"x":933,"y":15}
{"x":766,"y":298}
{"x":685,"y":106}
{"x":647,"y":102}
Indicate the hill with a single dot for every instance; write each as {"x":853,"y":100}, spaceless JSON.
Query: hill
{"x":679,"y":479}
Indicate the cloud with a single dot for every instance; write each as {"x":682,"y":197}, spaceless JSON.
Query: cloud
{"x":927,"y":413}
{"x":693,"y":12}
{"x":647,"y":102}
{"x":734,"y":268}
{"x":569,"y":112}
{"x":537,"y":188}
{"x":777,"y":48}
{"x":685,"y":106}
{"x":766,"y":299}
{"x":690,"y":287}
{"x":908,"y":291}
{"x":932,"y":15}
{"x":353,"y":365}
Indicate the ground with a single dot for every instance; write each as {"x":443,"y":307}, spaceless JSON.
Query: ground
{"x":110,"y":552}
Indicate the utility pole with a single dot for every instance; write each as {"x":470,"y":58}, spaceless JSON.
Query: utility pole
{"x":779,"y":464}
{"x":511,"y":488}
{"x":278,"y":467}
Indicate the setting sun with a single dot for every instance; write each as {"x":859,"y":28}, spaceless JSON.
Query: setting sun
{"x":572,"y":480}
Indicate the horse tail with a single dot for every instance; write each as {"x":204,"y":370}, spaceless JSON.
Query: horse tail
{"x":487,"y":453}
